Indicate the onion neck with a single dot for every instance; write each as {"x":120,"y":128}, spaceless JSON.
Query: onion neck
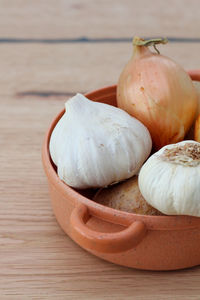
{"x":140,"y":51}
{"x":141,"y":46}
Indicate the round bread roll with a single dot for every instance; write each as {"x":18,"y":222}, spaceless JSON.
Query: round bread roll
{"x":125,"y":196}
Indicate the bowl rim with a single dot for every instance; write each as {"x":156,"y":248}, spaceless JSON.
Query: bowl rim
{"x":172,"y":222}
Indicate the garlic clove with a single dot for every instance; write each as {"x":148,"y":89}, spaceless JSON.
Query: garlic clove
{"x":95,"y":144}
{"x":170,"y":179}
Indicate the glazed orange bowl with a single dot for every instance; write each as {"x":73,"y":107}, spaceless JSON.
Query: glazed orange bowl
{"x":132,"y":240}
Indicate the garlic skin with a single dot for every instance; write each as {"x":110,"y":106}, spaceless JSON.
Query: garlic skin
{"x":95,"y":144}
{"x":170,"y":179}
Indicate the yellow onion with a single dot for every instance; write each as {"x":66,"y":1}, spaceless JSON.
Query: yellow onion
{"x":158,"y":92}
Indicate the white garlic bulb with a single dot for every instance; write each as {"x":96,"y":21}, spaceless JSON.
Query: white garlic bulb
{"x":170,"y":179}
{"x":96,"y":144}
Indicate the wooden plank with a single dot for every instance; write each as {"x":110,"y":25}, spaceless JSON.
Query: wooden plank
{"x":105,"y":18}
{"x":38,"y":261}
{"x":64,"y":69}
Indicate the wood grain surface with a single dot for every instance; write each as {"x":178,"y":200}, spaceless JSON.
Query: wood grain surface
{"x":37,"y":260}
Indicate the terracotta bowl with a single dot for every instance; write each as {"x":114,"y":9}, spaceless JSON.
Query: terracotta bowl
{"x":136,"y":241}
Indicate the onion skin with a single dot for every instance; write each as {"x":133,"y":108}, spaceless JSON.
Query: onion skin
{"x":158,"y":92}
{"x":197,"y":130}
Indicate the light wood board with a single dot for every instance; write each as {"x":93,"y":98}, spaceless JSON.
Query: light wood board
{"x":37,"y":260}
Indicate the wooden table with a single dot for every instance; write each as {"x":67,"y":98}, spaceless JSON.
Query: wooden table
{"x":43,"y":61}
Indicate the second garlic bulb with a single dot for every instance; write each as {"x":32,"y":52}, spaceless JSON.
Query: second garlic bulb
{"x":170,"y":179}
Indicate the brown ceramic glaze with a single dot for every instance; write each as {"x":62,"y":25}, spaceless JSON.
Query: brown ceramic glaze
{"x":137,"y":241}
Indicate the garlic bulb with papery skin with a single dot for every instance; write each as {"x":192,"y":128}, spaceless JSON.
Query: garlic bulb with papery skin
{"x":95,"y":144}
{"x":158,"y":92}
{"x":170,"y":179}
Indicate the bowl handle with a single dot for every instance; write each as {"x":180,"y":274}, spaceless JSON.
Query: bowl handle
{"x":104,"y":242}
